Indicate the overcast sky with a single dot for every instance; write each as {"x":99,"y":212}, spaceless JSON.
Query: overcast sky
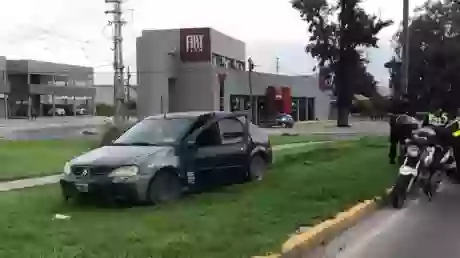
{"x":75,"y":31}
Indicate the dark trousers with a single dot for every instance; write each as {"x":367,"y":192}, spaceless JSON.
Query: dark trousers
{"x":394,"y":139}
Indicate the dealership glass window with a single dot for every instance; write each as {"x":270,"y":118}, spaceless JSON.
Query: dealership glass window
{"x":239,"y":103}
{"x":214,"y":59}
{"x":223,"y":61}
{"x":240,"y":65}
{"x":221,"y":96}
{"x":233,"y":64}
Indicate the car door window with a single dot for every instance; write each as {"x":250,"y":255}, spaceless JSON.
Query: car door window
{"x":231,"y":130}
{"x":209,"y":137}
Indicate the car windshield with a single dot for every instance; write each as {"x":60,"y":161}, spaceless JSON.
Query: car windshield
{"x":155,"y":132}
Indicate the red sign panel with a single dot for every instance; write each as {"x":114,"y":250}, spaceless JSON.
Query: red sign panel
{"x":195,"y":45}
{"x":287,"y":100}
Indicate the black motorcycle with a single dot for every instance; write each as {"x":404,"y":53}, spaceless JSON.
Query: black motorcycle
{"x":426,"y":160}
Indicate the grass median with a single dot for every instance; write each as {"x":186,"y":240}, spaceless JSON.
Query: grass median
{"x":302,"y":188}
{"x":25,"y":159}
{"x":288,"y":139}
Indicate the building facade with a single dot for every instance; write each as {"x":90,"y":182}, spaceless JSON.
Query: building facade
{"x":202,"y":69}
{"x":37,"y":88}
{"x":4,"y":88}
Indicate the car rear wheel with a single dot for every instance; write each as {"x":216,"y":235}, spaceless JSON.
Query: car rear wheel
{"x":165,"y":187}
{"x":257,"y":168}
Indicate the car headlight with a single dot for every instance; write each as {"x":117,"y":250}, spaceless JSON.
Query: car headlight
{"x":127,"y":171}
{"x":412,"y":151}
{"x":67,"y":168}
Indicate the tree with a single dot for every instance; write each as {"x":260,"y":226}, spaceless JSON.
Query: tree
{"x":339,"y":45}
{"x":434,"y":53}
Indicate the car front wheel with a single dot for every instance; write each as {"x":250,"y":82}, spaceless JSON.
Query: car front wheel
{"x":165,"y":187}
{"x":257,"y":168}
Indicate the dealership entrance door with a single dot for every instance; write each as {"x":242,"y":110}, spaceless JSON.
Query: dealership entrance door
{"x":311,"y":109}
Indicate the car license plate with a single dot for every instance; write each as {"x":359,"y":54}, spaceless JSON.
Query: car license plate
{"x":82,"y":187}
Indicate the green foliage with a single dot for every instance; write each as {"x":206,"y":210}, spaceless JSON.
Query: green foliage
{"x":104,"y":110}
{"x":111,"y":132}
{"x":434,"y":53}
{"x":339,"y":30}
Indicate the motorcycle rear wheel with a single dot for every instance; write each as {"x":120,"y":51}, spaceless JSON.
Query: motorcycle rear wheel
{"x":399,"y":192}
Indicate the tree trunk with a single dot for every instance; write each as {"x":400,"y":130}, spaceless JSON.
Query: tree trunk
{"x":342,"y":117}
{"x":342,"y":83}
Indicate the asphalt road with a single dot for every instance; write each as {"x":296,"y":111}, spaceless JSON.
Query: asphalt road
{"x":359,"y":128}
{"x":422,"y":229}
{"x":47,"y":133}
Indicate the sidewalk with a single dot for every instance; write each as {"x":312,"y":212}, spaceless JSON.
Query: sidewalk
{"x":39,"y":181}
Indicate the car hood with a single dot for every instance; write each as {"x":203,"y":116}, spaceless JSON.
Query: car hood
{"x":119,"y":155}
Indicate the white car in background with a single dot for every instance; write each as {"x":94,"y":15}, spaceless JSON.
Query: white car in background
{"x":57,"y":112}
{"x":81,"y":111}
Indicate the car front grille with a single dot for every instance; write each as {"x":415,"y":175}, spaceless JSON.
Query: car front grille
{"x":91,"y":170}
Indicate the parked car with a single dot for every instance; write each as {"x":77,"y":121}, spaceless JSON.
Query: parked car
{"x":81,"y":111}
{"x":163,"y":157}
{"x":57,"y":112}
{"x":285,"y":120}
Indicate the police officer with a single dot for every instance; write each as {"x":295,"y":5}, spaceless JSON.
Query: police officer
{"x":398,"y":108}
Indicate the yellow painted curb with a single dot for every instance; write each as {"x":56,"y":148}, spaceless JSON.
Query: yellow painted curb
{"x":301,"y":244}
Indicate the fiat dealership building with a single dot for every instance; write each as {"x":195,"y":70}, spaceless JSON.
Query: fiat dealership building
{"x":202,"y":69}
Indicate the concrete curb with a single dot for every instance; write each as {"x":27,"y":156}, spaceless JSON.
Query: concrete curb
{"x":303,"y":244}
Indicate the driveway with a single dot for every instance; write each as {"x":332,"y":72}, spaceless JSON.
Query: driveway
{"x":423,"y":229}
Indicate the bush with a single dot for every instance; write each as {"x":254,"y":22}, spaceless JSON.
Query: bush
{"x":111,"y":132}
{"x":104,"y":110}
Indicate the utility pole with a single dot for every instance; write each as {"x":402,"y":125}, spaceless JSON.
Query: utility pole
{"x":277,"y":65}
{"x":251,"y":98}
{"x":128,"y":89}
{"x":128,"y":84}
{"x":118,"y":66}
{"x":405,"y":54}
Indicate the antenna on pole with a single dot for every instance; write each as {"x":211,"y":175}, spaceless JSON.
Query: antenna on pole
{"x":118,"y":66}
{"x":277,"y":65}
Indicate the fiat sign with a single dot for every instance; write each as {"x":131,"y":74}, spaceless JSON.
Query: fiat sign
{"x":195,"y":45}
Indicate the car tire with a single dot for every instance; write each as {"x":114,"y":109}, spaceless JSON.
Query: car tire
{"x":257,"y":168}
{"x":164,"y":187}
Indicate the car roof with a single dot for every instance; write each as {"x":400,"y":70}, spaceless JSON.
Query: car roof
{"x":193,"y":114}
